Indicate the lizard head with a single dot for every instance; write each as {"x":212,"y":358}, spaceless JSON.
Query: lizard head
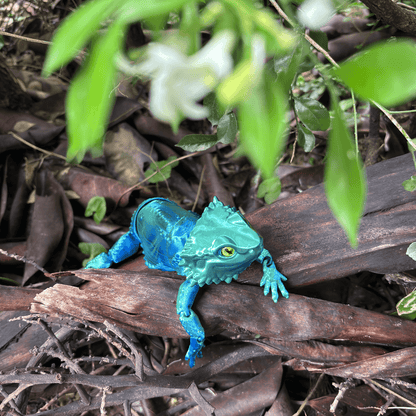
{"x":221,"y":245}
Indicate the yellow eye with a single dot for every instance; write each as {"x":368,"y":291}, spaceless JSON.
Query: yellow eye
{"x":227,"y":251}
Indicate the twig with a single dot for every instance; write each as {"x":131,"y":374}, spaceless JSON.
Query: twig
{"x":26,"y":260}
{"x":207,"y":408}
{"x":305,"y":402}
{"x":12,"y":402}
{"x":342,"y":388}
{"x":56,"y":398}
{"x":386,"y":406}
{"x":307,"y":37}
{"x":12,"y":35}
{"x":199,"y":188}
{"x":138,"y":362}
{"x":155,"y":173}
{"x":17,"y":137}
{"x":396,"y":123}
{"x":390,"y":391}
{"x":111,"y":341}
{"x":73,"y":367}
{"x":13,"y":395}
{"x":127,"y":408}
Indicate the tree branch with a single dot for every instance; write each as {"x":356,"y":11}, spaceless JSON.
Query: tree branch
{"x":393,"y":14}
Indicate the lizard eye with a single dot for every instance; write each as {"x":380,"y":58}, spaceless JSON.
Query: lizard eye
{"x":227,"y":251}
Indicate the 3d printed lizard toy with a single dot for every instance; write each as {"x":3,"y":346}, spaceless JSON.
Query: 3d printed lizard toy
{"x":212,"y":248}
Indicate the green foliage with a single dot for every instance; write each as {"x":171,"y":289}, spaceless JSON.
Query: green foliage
{"x":263,"y":125}
{"x":156,"y":168}
{"x":384,"y":73}
{"x":91,"y":96}
{"x":227,"y":128}
{"x":406,"y":307}
{"x":306,"y":138}
{"x":411,"y":251}
{"x":92,"y":250}
{"x":410,"y":184}
{"x":198,"y":142}
{"x":345,"y":184}
{"x":210,"y":102}
{"x":97,"y":208}
{"x":320,"y":38}
{"x":312,"y":113}
{"x":270,"y":189}
{"x":75,"y":32}
{"x":288,"y":65}
{"x":230,"y":75}
{"x":226,"y":132}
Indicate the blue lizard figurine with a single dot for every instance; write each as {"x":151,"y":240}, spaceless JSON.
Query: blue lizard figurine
{"x":212,"y":248}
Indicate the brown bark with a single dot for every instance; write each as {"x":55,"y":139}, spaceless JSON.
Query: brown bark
{"x":393,"y":14}
{"x":146,"y":303}
{"x":309,"y":246}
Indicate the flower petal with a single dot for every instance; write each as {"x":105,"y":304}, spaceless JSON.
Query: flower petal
{"x":217,"y":54}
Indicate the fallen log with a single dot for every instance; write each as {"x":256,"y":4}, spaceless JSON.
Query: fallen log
{"x":145,"y":303}
{"x":309,"y":246}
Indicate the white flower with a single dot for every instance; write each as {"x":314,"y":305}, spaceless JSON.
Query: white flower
{"x":180,"y":81}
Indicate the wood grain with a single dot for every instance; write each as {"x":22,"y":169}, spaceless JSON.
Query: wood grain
{"x":309,"y":246}
{"x":146,"y":303}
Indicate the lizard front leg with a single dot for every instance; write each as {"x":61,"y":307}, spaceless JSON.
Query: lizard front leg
{"x":189,"y":320}
{"x":272,"y":278}
{"x":125,"y":246}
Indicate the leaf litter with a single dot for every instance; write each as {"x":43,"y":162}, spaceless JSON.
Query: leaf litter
{"x":112,"y":340}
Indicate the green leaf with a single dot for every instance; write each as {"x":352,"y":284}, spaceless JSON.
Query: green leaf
{"x":312,"y":113}
{"x":227,"y":128}
{"x":92,"y":250}
{"x":278,"y":38}
{"x":164,"y":170}
{"x":411,"y":251}
{"x":198,"y":142}
{"x":320,"y":38}
{"x":270,"y":189}
{"x":263,"y":124}
{"x":96,"y":207}
{"x":407,"y":305}
{"x":385,"y":73}
{"x":190,"y":26}
{"x":306,"y":138}
{"x":214,"y":112}
{"x":344,"y":177}
{"x":75,"y":32}
{"x":410,"y":184}
{"x":133,"y":10}
{"x":238,"y":85}
{"x":91,"y":95}
{"x":287,"y":66}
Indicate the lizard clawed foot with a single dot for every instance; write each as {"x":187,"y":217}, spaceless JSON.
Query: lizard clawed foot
{"x":194,"y":328}
{"x":102,"y":261}
{"x":194,"y":351}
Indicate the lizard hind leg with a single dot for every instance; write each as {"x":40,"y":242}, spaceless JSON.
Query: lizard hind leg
{"x":190,"y":321}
